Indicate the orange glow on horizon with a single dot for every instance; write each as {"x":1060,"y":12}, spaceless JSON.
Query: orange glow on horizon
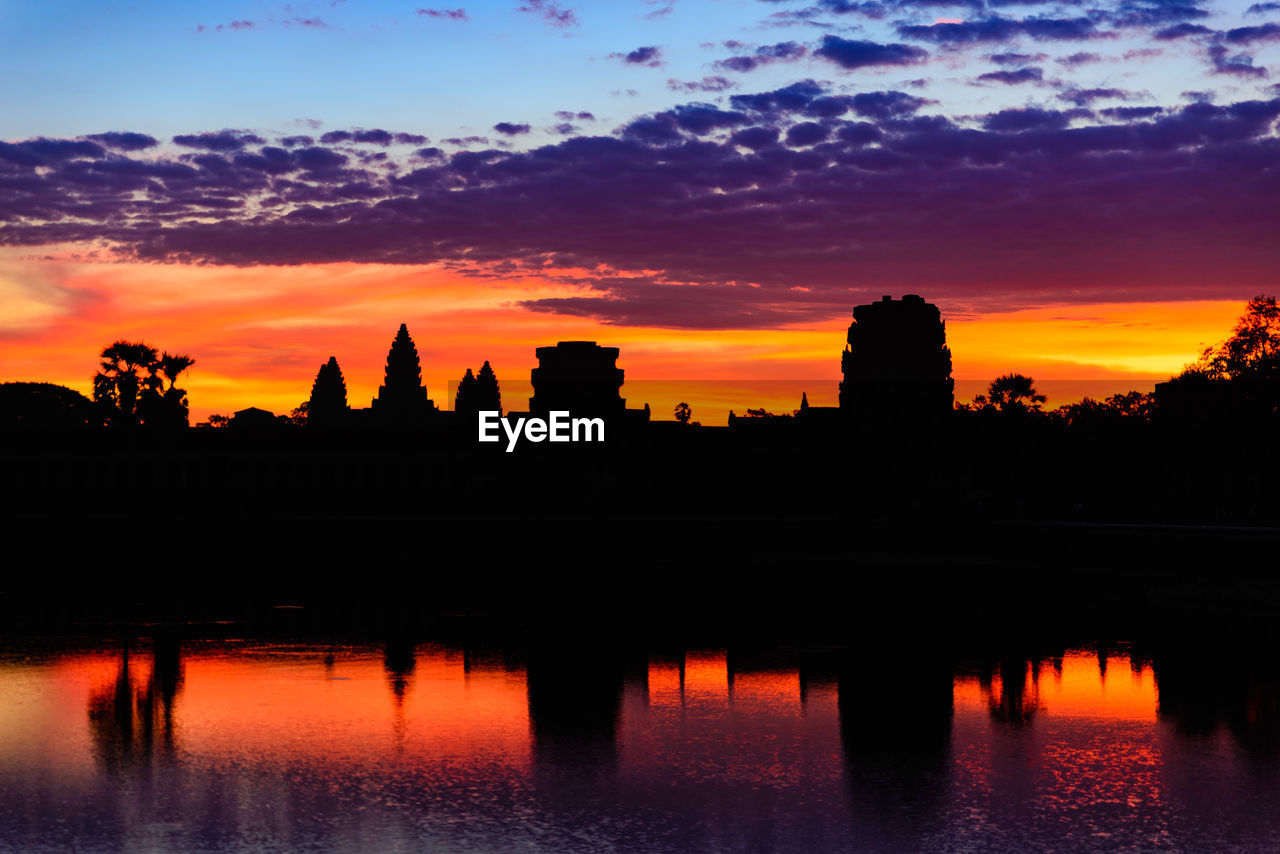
{"x":259,"y":334}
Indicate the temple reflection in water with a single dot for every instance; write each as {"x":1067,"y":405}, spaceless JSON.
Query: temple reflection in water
{"x":567,"y":746}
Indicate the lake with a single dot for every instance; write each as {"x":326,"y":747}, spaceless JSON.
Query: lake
{"x":254,"y":746}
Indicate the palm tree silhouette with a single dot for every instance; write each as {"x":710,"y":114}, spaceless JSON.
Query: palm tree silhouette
{"x":171,"y":366}
{"x":1014,"y":393}
{"x":118,"y":382}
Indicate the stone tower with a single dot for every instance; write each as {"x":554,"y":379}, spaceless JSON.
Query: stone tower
{"x":402,"y":398}
{"x":897,"y":368}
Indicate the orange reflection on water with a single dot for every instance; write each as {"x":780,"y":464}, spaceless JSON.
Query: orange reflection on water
{"x":352,"y":708}
{"x":706,"y":677}
{"x":1075,"y":685}
{"x":775,"y":690}
{"x":664,"y":683}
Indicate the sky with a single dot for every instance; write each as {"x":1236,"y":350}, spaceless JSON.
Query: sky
{"x":1087,"y":189}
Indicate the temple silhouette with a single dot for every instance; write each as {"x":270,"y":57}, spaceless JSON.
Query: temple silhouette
{"x":402,"y":399}
{"x":897,"y":365}
{"x":580,"y":377}
{"x":896,"y":369}
{"x":896,"y":449}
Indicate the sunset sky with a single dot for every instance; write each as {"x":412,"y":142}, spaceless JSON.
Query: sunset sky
{"x":1088,"y":190}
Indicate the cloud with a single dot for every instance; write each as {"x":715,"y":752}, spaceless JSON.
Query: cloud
{"x":1017,"y":58}
{"x":124,"y":140}
{"x":886,"y":105}
{"x":551,"y":12}
{"x":1012,"y":78}
{"x":1249,"y":35}
{"x":1079,"y":58}
{"x":703,"y":216}
{"x":511,"y":129}
{"x":1239,"y":65}
{"x":1181,"y":31}
{"x":1131,"y":113}
{"x":861,"y":54}
{"x":449,"y":14}
{"x":706,"y":84}
{"x":1084,"y":97}
{"x":1000,"y":29}
{"x":806,"y":134}
{"x":649,"y":56}
{"x":763,"y":55}
{"x":227,"y":140}
{"x":756,"y":138}
{"x":796,"y":96}
{"x":1026,"y":118}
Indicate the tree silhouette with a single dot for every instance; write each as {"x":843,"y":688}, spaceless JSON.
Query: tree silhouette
{"x":170,"y":408}
{"x":118,"y":383}
{"x":1252,"y":353}
{"x":327,"y":406}
{"x":1239,"y":378}
{"x":1013,"y":393}
{"x":130,"y":382}
{"x":45,"y":406}
{"x":172,"y":366}
{"x":683,"y":412}
{"x":1130,"y":404}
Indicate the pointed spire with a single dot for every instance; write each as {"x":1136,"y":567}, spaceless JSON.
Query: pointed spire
{"x":328,"y":402}
{"x":404,"y":371}
{"x":488,"y":396}
{"x":804,"y":402}
{"x":402,"y":397}
{"x":464,"y":400}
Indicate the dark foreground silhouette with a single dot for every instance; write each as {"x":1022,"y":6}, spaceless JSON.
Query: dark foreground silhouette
{"x":896,"y":496}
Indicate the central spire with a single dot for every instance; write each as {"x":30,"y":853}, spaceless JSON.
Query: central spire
{"x":402,"y":398}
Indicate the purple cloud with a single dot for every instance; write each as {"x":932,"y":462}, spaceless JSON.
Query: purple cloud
{"x":550,"y":12}
{"x":706,"y":84}
{"x":1013,"y":78}
{"x":649,"y":56}
{"x":1084,"y":97}
{"x":1181,"y":31}
{"x":999,"y":29}
{"x":1239,"y":65}
{"x":860,"y":54}
{"x":124,"y":140}
{"x":1079,"y":58}
{"x":450,"y":14}
{"x":724,"y":220}
{"x":511,"y":129}
{"x":763,"y":55}
{"x":1249,"y":35}
{"x":227,"y":140}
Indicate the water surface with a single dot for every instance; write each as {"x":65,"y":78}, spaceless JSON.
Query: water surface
{"x":252,"y":747}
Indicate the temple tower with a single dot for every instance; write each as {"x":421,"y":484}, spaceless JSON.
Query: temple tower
{"x":897,"y":367}
{"x":402,"y":398}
